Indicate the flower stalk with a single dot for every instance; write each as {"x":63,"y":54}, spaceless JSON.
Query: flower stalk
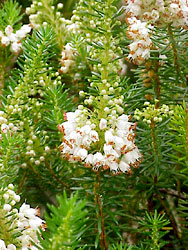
{"x":186,"y":131}
{"x":100,"y":214}
{"x":173,"y":44}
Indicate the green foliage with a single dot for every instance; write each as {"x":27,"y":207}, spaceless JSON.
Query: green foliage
{"x":122,"y":247}
{"x":8,"y":224}
{"x":47,"y":13}
{"x":65,"y":223}
{"x":10,"y":15}
{"x":9,"y":150}
{"x":179,"y":128}
{"x":36,"y":97}
{"x":55,"y":102}
{"x":35,"y":93}
{"x":154,"y":224}
{"x":183,"y":212}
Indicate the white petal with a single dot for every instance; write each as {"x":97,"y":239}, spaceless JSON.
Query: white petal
{"x":103,"y":123}
{"x":109,"y":138}
{"x":124,"y":167}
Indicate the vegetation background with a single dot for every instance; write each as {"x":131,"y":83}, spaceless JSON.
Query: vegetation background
{"x":146,"y":209}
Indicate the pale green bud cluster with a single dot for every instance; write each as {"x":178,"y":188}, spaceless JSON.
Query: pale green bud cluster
{"x":47,"y":13}
{"x":35,"y":151}
{"x":102,"y":39}
{"x":106,"y":100}
{"x":153,"y":114}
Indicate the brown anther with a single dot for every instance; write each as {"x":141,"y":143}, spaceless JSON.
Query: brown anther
{"x":130,"y":171}
{"x":61,"y":147}
{"x":43,"y":226}
{"x":117,"y":160}
{"x":130,"y":137}
{"x":67,"y":156}
{"x":60,"y":128}
{"x":65,"y":116}
{"x":134,"y":126}
{"x":123,"y":148}
{"x":111,"y":143}
{"x":105,"y":167}
{"x":87,"y":165}
{"x":38,"y":211}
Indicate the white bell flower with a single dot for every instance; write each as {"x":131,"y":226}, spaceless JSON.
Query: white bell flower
{"x":35,"y":223}
{"x":28,"y":211}
{"x":8,"y":30}
{"x":103,"y":124}
{"x":23,"y":31}
{"x":11,"y":247}
{"x":85,"y":129}
{"x":15,"y":47}
{"x":4,"y":128}
{"x":82,"y":153}
{"x":109,"y":151}
{"x":2,"y":245}
{"x":118,"y":151}
{"x":89,"y":160}
{"x":124,"y":167}
{"x":5,"y":41}
{"x":131,"y":156}
{"x":109,"y":138}
{"x":7,"y":207}
{"x":98,"y":159}
{"x":94,"y":136}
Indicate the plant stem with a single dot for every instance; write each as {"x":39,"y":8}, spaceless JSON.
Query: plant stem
{"x":186,"y":131}
{"x":100,"y":215}
{"x":155,"y":239}
{"x":158,"y":87}
{"x":168,"y":213}
{"x":20,"y":186}
{"x":175,"y":52}
{"x":5,"y":233}
{"x":2,"y":75}
{"x":173,"y":193}
{"x":55,"y":176}
{"x":154,"y":146}
{"x":155,"y":182}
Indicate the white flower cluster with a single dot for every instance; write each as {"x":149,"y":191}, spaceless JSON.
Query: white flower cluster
{"x":152,"y":114}
{"x":5,"y":128}
{"x":118,"y":151}
{"x":14,"y":39}
{"x":72,"y":26}
{"x":23,"y":222}
{"x":159,"y":11}
{"x":142,"y":14}
{"x":140,"y":48}
{"x":66,"y":60}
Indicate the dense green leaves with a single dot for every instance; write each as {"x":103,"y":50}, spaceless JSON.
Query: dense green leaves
{"x":10,"y":15}
{"x":65,"y":224}
{"x":108,"y":209}
{"x":179,"y":129}
{"x":9,"y":163}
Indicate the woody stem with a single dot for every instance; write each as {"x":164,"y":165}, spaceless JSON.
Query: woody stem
{"x":100,"y":215}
